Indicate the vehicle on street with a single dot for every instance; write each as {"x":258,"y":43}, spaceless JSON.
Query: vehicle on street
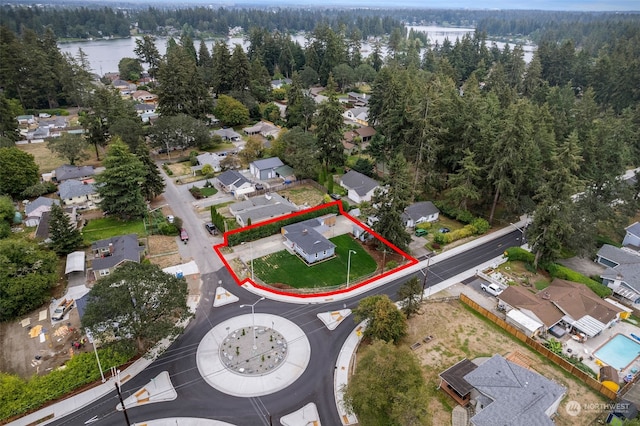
{"x":444,"y":230}
{"x":62,"y":309}
{"x":420,"y":232}
{"x":183,"y":235}
{"x":211,"y":228}
{"x":492,"y":289}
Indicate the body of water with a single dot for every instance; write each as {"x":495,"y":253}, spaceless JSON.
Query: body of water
{"x":104,"y":55}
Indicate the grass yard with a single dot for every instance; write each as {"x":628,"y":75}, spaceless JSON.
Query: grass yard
{"x":285,"y":268}
{"x":303,"y":194}
{"x":208,"y":191}
{"x":100,"y":229}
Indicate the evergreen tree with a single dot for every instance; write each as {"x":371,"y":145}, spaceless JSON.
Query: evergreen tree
{"x":221,"y":82}
{"x":462,"y":184}
{"x":239,"y":67}
{"x":148,"y":53}
{"x":8,"y":122}
{"x":120,"y":185}
{"x":410,"y":295}
{"x":65,"y":237}
{"x":329,"y":129}
{"x":153,"y":184}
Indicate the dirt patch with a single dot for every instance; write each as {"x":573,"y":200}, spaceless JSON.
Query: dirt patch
{"x":303,"y":195}
{"x":25,"y":355}
{"x":382,"y":257}
{"x":163,"y":251}
{"x":180,"y":169}
{"x":47,"y":161}
{"x":458,"y":333}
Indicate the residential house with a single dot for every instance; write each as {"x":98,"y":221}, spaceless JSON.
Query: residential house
{"x":265,"y":168}
{"x":149,"y":117}
{"x":210,"y":158}
{"x":144,"y":96}
{"x":35,"y":209}
{"x":261,"y":208}
{"x":113,"y":252}
{"x":42,"y":230}
{"x":145,"y":108}
{"x":359,"y":114}
{"x":263,"y":128}
{"x":76,"y":192}
{"x":123,"y":85}
{"x":307,"y":238}
{"x":366,"y":133}
{"x":632,"y":237}
{"x":277,"y":84}
{"x":359,"y":187}
{"x":348,"y":142}
{"x":570,"y":306}
{"x":228,"y":134}
{"x":416,"y":213}
{"x":42,"y":132}
{"x":67,"y":171}
{"x":54,"y":123}
{"x":26,"y":120}
{"x":234,"y":181}
{"x":509,"y":394}
{"x":623,"y":270}
{"x":358,"y":99}
{"x":453,"y":383}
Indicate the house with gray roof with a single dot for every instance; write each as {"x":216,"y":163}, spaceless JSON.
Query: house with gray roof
{"x":232,"y":181}
{"x":67,"y":171}
{"x":623,"y":271}
{"x":306,"y":239}
{"x":508,"y":394}
{"x":359,"y":187}
{"x":632,"y":237}
{"x":359,"y":114}
{"x":35,"y":209}
{"x":416,"y":213}
{"x":228,"y":134}
{"x":265,"y":168}
{"x":78,"y":192}
{"x":113,"y":252}
{"x":261,"y":208}
{"x":210,"y":158}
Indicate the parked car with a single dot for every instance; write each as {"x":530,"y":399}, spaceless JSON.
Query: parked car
{"x":335,"y":196}
{"x":420,"y":232}
{"x":492,"y":289}
{"x":444,"y":230}
{"x":211,"y":228}
{"x":259,"y":186}
{"x":183,"y":235}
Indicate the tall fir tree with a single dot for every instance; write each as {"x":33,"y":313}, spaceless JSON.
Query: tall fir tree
{"x":329,"y":129}
{"x":153,"y":184}
{"x":65,"y":237}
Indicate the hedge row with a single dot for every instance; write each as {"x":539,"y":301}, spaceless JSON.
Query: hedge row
{"x":274,"y":227}
{"x":559,"y":271}
{"x":460,"y":215}
{"x":18,"y":396}
{"x":478,"y":226}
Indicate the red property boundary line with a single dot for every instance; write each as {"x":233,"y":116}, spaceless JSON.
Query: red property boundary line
{"x":411,"y":260}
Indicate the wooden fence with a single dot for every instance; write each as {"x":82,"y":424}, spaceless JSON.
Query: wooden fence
{"x":541,"y":349}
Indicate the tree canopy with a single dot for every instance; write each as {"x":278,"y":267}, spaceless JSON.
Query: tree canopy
{"x":386,"y":321}
{"x":137,"y":301}
{"x":18,"y":171}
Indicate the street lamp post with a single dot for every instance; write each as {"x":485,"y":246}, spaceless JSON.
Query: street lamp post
{"x":253,"y":320}
{"x":349,"y":266}
{"x":93,"y":343}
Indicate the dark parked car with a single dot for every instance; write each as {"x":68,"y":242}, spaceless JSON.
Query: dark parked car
{"x":211,"y":228}
{"x":444,"y":230}
{"x":259,"y":186}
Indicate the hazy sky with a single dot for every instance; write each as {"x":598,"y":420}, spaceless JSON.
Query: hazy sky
{"x":574,"y":5}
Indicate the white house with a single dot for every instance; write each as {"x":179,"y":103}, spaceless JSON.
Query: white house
{"x":210,"y":158}
{"x":359,"y":187}
{"x":306,"y":239}
{"x":76,"y":192}
{"x":416,"y":213}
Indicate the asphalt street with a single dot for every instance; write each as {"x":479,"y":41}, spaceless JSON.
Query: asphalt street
{"x":197,"y":399}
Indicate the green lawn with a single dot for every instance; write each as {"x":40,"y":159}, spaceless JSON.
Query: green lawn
{"x":100,"y":229}
{"x":208,"y":191}
{"x":283,"y":267}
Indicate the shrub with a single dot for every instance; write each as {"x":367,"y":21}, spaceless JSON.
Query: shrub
{"x":481,"y":225}
{"x":440,"y":238}
{"x":520,"y":254}
{"x":39,"y":189}
{"x":196,"y":192}
{"x":167,"y":169}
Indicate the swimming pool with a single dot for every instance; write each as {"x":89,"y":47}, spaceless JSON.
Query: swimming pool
{"x":618,"y":352}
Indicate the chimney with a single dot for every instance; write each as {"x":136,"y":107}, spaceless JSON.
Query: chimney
{"x":110,"y":248}
{"x":305,"y":231}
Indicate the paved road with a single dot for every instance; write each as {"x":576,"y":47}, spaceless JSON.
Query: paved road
{"x":197,"y":399}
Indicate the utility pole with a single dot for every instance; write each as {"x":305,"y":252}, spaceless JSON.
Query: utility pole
{"x":124,"y":409}
{"x":424,"y":282}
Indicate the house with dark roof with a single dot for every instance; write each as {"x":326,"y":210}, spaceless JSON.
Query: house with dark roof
{"x":76,"y":192}
{"x":359,"y":187}
{"x":144,"y":108}
{"x":34,"y":210}
{"x":228,"y":134}
{"x":366,"y":133}
{"x":307,"y":238}
{"x":358,"y":99}
{"x":571,"y":305}
{"x":113,"y":252}
{"x":453,"y":383}
{"x":509,"y":394}
{"x":67,"y":171}
{"x":623,"y":270}
{"x":42,"y":230}
{"x":261,"y":208}
{"x":416,"y":213}
{"x":232,"y":181}
{"x":265,"y":168}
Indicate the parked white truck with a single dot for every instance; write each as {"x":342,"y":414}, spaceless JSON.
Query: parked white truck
{"x":61,"y":310}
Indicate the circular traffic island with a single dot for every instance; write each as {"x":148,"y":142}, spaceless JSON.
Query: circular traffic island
{"x":253,"y":355}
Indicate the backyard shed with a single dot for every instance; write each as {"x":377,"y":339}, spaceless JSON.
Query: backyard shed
{"x":522,"y":322}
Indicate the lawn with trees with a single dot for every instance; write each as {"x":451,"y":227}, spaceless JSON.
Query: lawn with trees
{"x":285,"y":268}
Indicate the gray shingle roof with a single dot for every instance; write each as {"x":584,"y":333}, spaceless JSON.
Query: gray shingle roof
{"x":125,"y":247}
{"x":520,"y":396}
{"x":66,"y":171}
{"x":268,"y":163}
{"x":617,"y":255}
{"x":74,"y":188}
{"x":262,"y":207}
{"x":232,"y":177}
{"x":305,"y":235}
{"x":634,"y":229}
{"x":628,"y":269}
{"x":229,"y":134}
{"x":39,"y":202}
{"x":422,"y":209}
{"x":358,"y":182}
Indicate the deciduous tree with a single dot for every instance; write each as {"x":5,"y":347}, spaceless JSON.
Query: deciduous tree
{"x":18,"y":171}
{"x":230,"y":111}
{"x":139,"y":302}
{"x":70,"y":146}
{"x":385,"y":321}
